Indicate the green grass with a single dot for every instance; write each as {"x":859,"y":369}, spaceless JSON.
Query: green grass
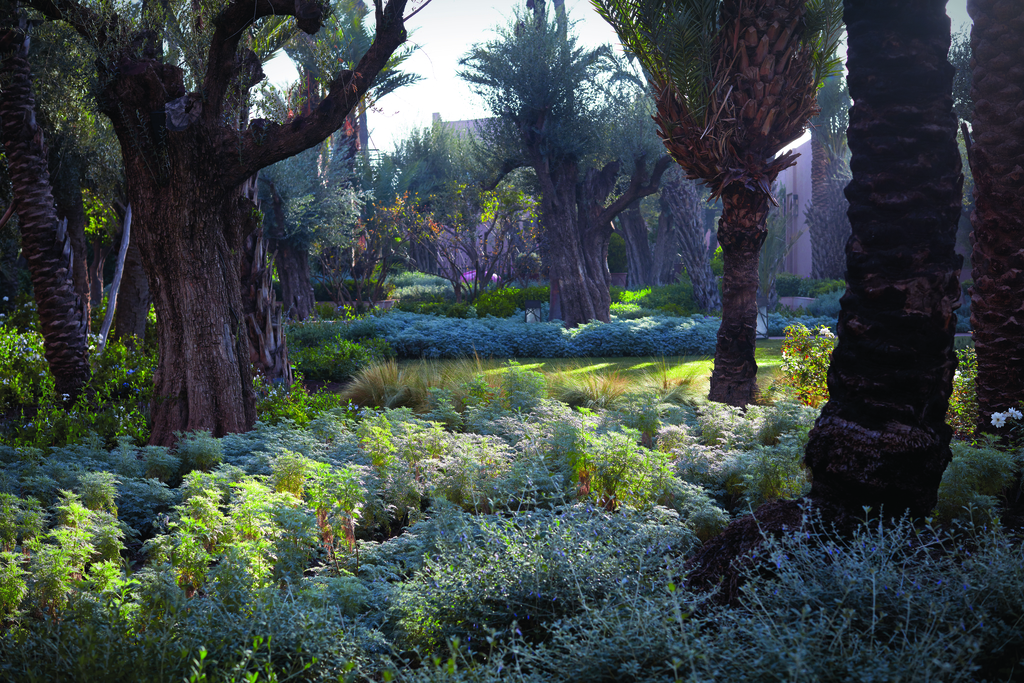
{"x":597,"y":381}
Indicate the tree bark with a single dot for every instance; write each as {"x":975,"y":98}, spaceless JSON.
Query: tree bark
{"x":882,"y":440}
{"x":583,"y":279}
{"x":133,"y":300}
{"x":829,"y":228}
{"x":666,"y":251}
{"x":67,"y":192}
{"x":46,"y":247}
{"x":997,"y":160}
{"x":682,"y":202}
{"x":297,"y":298}
{"x":639,"y":258}
{"x":741,"y":232}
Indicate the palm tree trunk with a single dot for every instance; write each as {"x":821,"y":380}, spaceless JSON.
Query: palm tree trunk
{"x":741,"y":232}
{"x":881,"y":439}
{"x":46,"y":247}
{"x":997,"y":157}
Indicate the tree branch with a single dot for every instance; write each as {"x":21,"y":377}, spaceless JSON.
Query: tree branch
{"x":222,"y":62}
{"x":265,"y":143}
{"x":86,"y":22}
{"x":639,"y":186}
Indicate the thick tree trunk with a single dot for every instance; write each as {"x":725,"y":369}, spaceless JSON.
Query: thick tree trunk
{"x":639,"y":259}
{"x":293,"y":273}
{"x":997,"y":160}
{"x":666,"y":251}
{"x":192,"y":254}
{"x":881,"y":439}
{"x":47,"y":248}
{"x":741,"y":232}
{"x":829,"y":228}
{"x":292,"y":262}
{"x":682,"y":201}
{"x":575,"y":251}
{"x":132,"y":299}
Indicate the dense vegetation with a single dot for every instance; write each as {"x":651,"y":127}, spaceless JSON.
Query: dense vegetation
{"x":513,"y":527}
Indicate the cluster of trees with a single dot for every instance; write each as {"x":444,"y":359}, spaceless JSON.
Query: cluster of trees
{"x":569,"y":156}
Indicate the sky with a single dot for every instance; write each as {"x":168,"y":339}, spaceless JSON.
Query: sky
{"x":443,"y":32}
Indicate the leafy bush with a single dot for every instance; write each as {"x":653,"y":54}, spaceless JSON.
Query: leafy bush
{"x":528,"y":571}
{"x":805,"y":359}
{"x":962,"y":414}
{"x":976,"y":475}
{"x":788,"y":284}
{"x":339,"y":359}
{"x":826,"y":305}
{"x":115,"y":402}
{"x":505,"y":302}
{"x":276,"y":403}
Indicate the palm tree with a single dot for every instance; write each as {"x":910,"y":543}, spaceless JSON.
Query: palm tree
{"x":734,"y":82}
{"x":997,"y":159}
{"x":45,"y":244}
{"x":827,"y":223}
{"x":882,"y":440}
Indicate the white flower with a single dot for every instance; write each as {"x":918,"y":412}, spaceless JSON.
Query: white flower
{"x":1014,"y":413}
{"x":998,"y":420}
{"x":5,"y":298}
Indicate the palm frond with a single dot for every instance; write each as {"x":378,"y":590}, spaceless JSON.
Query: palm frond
{"x":825,"y":29}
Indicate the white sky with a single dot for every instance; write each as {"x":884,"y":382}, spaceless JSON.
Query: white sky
{"x":444,"y":31}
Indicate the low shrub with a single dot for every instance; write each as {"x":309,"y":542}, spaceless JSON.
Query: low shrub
{"x":787,"y":284}
{"x":962,"y":414}
{"x":805,"y":359}
{"x":115,"y":402}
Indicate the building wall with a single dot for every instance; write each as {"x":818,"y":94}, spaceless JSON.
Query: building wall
{"x":797,"y":180}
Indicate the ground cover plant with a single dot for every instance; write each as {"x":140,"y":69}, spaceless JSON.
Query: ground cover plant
{"x":493,"y":533}
{"x":412,"y":335}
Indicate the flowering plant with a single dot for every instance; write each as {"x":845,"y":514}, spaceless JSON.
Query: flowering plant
{"x":805,"y":359}
{"x":962,"y":414}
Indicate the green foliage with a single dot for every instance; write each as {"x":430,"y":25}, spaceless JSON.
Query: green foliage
{"x":617,"y":253}
{"x":974,"y":478}
{"x":962,"y":414}
{"x":504,"y":302}
{"x":115,"y":402}
{"x":337,"y":360}
{"x":805,"y":359}
{"x":198,"y":451}
{"x":718,"y":262}
{"x":788,"y":284}
{"x":526,"y":572}
{"x":276,"y":403}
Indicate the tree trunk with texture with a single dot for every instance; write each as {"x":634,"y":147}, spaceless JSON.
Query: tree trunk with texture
{"x":132,"y":299}
{"x":46,"y":247}
{"x":997,"y":160}
{"x":829,"y":229}
{"x":639,"y":259}
{"x":682,"y":201}
{"x":666,"y":252}
{"x":67,"y":191}
{"x":583,"y":292}
{"x":292,"y":261}
{"x":881,"y":439}
{"x":741,"y":232}
{"x":185,"y":165}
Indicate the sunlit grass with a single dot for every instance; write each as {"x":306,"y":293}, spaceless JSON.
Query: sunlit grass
{"x":585,"y":382}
